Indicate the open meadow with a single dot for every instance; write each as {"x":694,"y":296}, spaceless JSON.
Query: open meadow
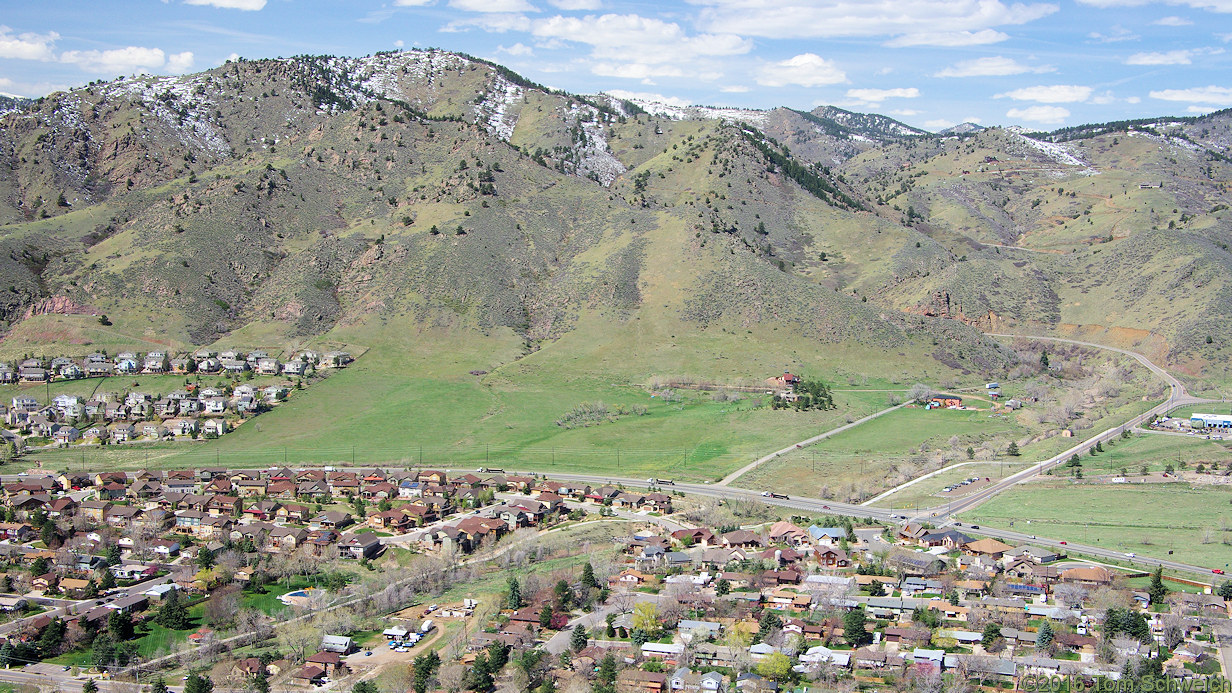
{"x":1195,"y":523}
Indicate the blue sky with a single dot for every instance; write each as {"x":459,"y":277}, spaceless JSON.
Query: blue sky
{"x":930,"y":63}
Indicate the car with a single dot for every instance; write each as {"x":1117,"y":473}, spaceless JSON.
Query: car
{"x":825,"y":507}
{"x":1032,"y":536}
{"x":67,"y":667}
{"x":975,"y":526}
{"x":1217,"y":571}
{"x":765,"y":494}
{"x":1131,"y":554}
{"x":367,"y":653}
{"x":1064,"y":543}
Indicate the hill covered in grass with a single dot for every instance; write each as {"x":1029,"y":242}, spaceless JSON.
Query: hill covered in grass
{"x":485,"y":240}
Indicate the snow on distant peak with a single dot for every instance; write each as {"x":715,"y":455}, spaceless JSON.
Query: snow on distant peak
{"x":677,"y":109}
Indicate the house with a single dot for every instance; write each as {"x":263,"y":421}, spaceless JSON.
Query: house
{"x":359,"y":546}
{"x":988,"y":547}
{"x":638,"y":681}
{"x":1091,"y":575}
{"x":945,"y":401}
{"x":340,"y":644}
{"x":330,"y":661}
{"x":308,"y":675}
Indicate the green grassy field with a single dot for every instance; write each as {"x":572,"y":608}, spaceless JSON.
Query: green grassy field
{"x":1148,"y":519}
{"x":868,"y":455}
{"x":928,"y":492}
{"x":1156,"y":452}
{"x":377,"y":412}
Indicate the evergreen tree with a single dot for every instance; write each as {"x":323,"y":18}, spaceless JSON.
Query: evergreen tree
{"x":114,"y":555}
{"x":172,"y":613}
{"x":159,"y":686}
{"x":610,"y":632}
{"x":196,"y":683}
{"x":108,"y":581}
{"x":1044,"y":359}
{"x":498,"y":656}
{"x":588,"y":576}
{"x":577,"y":641}
{"x":853,"y":627}
{"x":876,"y":589}
{"x":545,"y":616}
{"x":89,"y":686}
{"x":1225,"y":590}
{"x":1044,"y":636}
{"x":514,"y":599}
{"x":365,"y":687}
{"x":1157,"y":590}
{"x":205,"y":558}
{"x":260,"y":682}
{"x":1012,"y":450}
{"x":723,"y":587}
{"x":992,"y":632}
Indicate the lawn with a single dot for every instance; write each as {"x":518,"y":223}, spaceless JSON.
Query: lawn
{"x":268,"y":601}
{"x":1148,"y":519}
{"x":859,"y":462}
{"x":150,"y":638}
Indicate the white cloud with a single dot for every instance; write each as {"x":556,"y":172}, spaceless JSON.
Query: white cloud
{"x":1048,"y":115}
{"x":27,"y":89}
{"x":232,"y":57}
{"x":117,"y":60}
{"x":1224,"y":37}
{"x":647,"y":96}
{"x":1176,"y":57}
{"x":640,"y":71}
{"x":250,"y":5}
{"x":27,"y":46}
{"x":1202,"y":110}
{"x":904,"y":112}
{"x":806,"y":70}
{"x":576,"y":5}
{"x":412,"y":3}
{"x":1057,"y":93}
{"x":492,"y":23}
{"x":1173,"y":21}
{"x":1133,"y":99}
{"x":734,"y":89}
{"x":637,"y":47}
{"x":399,"y":43}
{"x":839,"y":18}
{"x":950,"y":39}
{"x":1212,"y":5}
{"x":991,"y":67}
{"x":1212,"y":95}
{"x":179,"y":63}
{"x":1116,"y":34}
{"x":878,"y":95}
{"x":518,"y":49}
{"x":493,"y":6}
{"x":939,"y":124}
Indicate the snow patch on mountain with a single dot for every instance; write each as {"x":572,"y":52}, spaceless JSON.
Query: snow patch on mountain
{"x":496,"y":111}
{"x":182,"y":104}
{"x":1057,"y":153}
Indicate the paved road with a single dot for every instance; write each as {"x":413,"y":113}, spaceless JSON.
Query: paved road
{"x":809,"y":441}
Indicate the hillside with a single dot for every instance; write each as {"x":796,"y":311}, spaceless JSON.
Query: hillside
{"x":485,"y":240}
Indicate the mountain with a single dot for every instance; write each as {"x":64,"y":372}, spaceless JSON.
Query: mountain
{"x":962,"y":129}
{"x":361,"y":200}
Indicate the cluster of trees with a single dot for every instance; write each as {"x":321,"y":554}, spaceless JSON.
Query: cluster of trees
{"x":810,"y":394}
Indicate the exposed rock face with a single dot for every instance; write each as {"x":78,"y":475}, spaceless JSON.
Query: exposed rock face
{"x":57,"y":305}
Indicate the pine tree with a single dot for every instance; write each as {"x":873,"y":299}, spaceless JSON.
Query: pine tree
{"x":159,"y":686}
{"x":1044,"y":636}
{"x":853,"y":627}
{"x":579,"y":639}
{"x":172,"y":613}
{"x":514,"y":599}
{"x":588,"y":576}
{"x":198,"y":684}
{"x":89,"y":686}
{"x":545,"y":616}
{"x":1012,"y":450}
{"x":1157,"y":590}
{"x":992,"y":632}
